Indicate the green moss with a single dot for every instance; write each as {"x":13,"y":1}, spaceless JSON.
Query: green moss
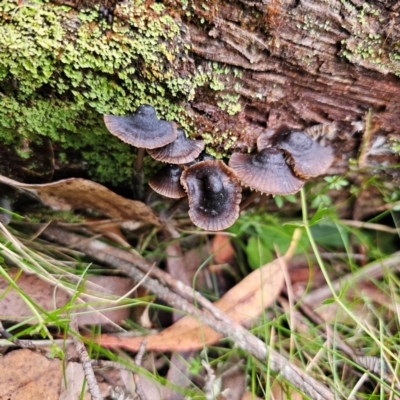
{"x":365,"y":47}
{"x":61,"y":70}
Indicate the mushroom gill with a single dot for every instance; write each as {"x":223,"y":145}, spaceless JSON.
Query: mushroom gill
{"x":266,"y":172}
{"x":181,"y":151}
{"x":167,"y":182}
{"x":307,"y":157}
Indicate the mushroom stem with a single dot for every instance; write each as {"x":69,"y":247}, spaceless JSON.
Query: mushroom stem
{"x":138,"y":175}
{"x":173,"y":208}
{"x":249,"y":200}
{"x":263,"y":200}
{"x":139,"y":160}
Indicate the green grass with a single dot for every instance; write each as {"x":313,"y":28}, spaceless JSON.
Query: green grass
{"x":366,"y":322}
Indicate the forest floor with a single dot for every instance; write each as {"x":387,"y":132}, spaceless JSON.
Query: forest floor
{"x":293,"y":301}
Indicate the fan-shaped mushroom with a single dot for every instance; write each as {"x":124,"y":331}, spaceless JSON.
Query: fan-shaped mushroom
{"x":306,"y":156}
{"x":142,"y":129}
{"x":266,"y":172}
{"x":181,"y":151}
{"x":214,"y":194}
{"x":167,"y":182}
{"x":266,"y":138}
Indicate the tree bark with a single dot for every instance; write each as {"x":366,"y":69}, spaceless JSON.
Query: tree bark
{"x":293,"y":62}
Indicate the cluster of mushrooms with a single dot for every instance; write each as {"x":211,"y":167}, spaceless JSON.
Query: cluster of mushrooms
{"x":281,"y":165}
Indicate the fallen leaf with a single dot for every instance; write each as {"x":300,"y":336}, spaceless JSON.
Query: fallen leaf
{"x":222,"y":249}
{"x":13,"y":307}
{"x":71,"y":386}
{"x":281,"y":392}
{"x":234,"y":380}
{"x":242,"y":303}
{"x":250,"y":396}
{"x":78,"y":193}
{"x":29,"y":376}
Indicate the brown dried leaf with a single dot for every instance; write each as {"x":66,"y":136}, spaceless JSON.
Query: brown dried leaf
{"x":242,"y":303}
{"x":13,"y":307}
{"x":283,"y":392}
{"x":29,"y":376}
{"x":222,"y":249}
{"x":78,"y":193}
{"x":250,"y":396}
{"x":234,"y":381}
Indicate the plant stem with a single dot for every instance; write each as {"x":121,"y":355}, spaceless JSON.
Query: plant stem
{"x":329,"y":282}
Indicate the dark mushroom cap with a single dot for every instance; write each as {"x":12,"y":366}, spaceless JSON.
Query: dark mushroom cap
{"x":142,"y":129}
{"x":266,"y":172}
{"x":181,"y":151}
{"x":167,"y":181}
{"x":266,"y":138}
{"x":306,"y":156}
{"x":214,"y":194}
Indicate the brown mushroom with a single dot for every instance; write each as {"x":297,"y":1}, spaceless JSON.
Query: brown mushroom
{"x":266,"y":171}
{"x":145,"y":131}
{"x":142,"y":129}
{"x":167,"y":182}
{"x":214,"y":194}
{"x":306,"y":156}
{"x":181,"y":151}
{"x":266,"y":138}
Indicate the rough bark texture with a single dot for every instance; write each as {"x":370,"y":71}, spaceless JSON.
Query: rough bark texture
{"x":245,"y":66}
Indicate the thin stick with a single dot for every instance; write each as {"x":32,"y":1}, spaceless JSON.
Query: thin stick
{"x":216,"y":319}
{"x":357,"y":386}
{"x":138,"y":362}
{"x":85,"y":361}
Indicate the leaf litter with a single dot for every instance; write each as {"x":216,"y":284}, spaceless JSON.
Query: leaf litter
{"x":78,"y":193}
{"x":241,"y":303}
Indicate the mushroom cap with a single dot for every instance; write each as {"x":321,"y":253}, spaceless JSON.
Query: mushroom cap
{"x":181,"y":151}
{"x":167,"y":181}
{"x":142,"y":129}
{"x":266,"y":138}
{"x":266,"y":171}
{"x":202,"y":157}
{"x":214,"y":194}
{"x":307,"y":157}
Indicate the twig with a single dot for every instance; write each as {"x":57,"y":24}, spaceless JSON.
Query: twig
{"x":369,"y":225}
{"x":374,"y":270}
{"x":24,"y":344}
{"x":216,"y":319}
{"x":86,"y":362}
{"x":357,"y":386}
{"x":210,"y":379}
{"x":136,"y":378}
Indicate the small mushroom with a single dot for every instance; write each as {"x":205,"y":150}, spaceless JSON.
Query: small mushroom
{"x":142,"y":129}
{"x":266,"y":138}
{"x":167,"y":182}
{"x":181,"y":151}
{"x":214,"y":194}
{"x":266,"y":171}
{"x":307,"y":157}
